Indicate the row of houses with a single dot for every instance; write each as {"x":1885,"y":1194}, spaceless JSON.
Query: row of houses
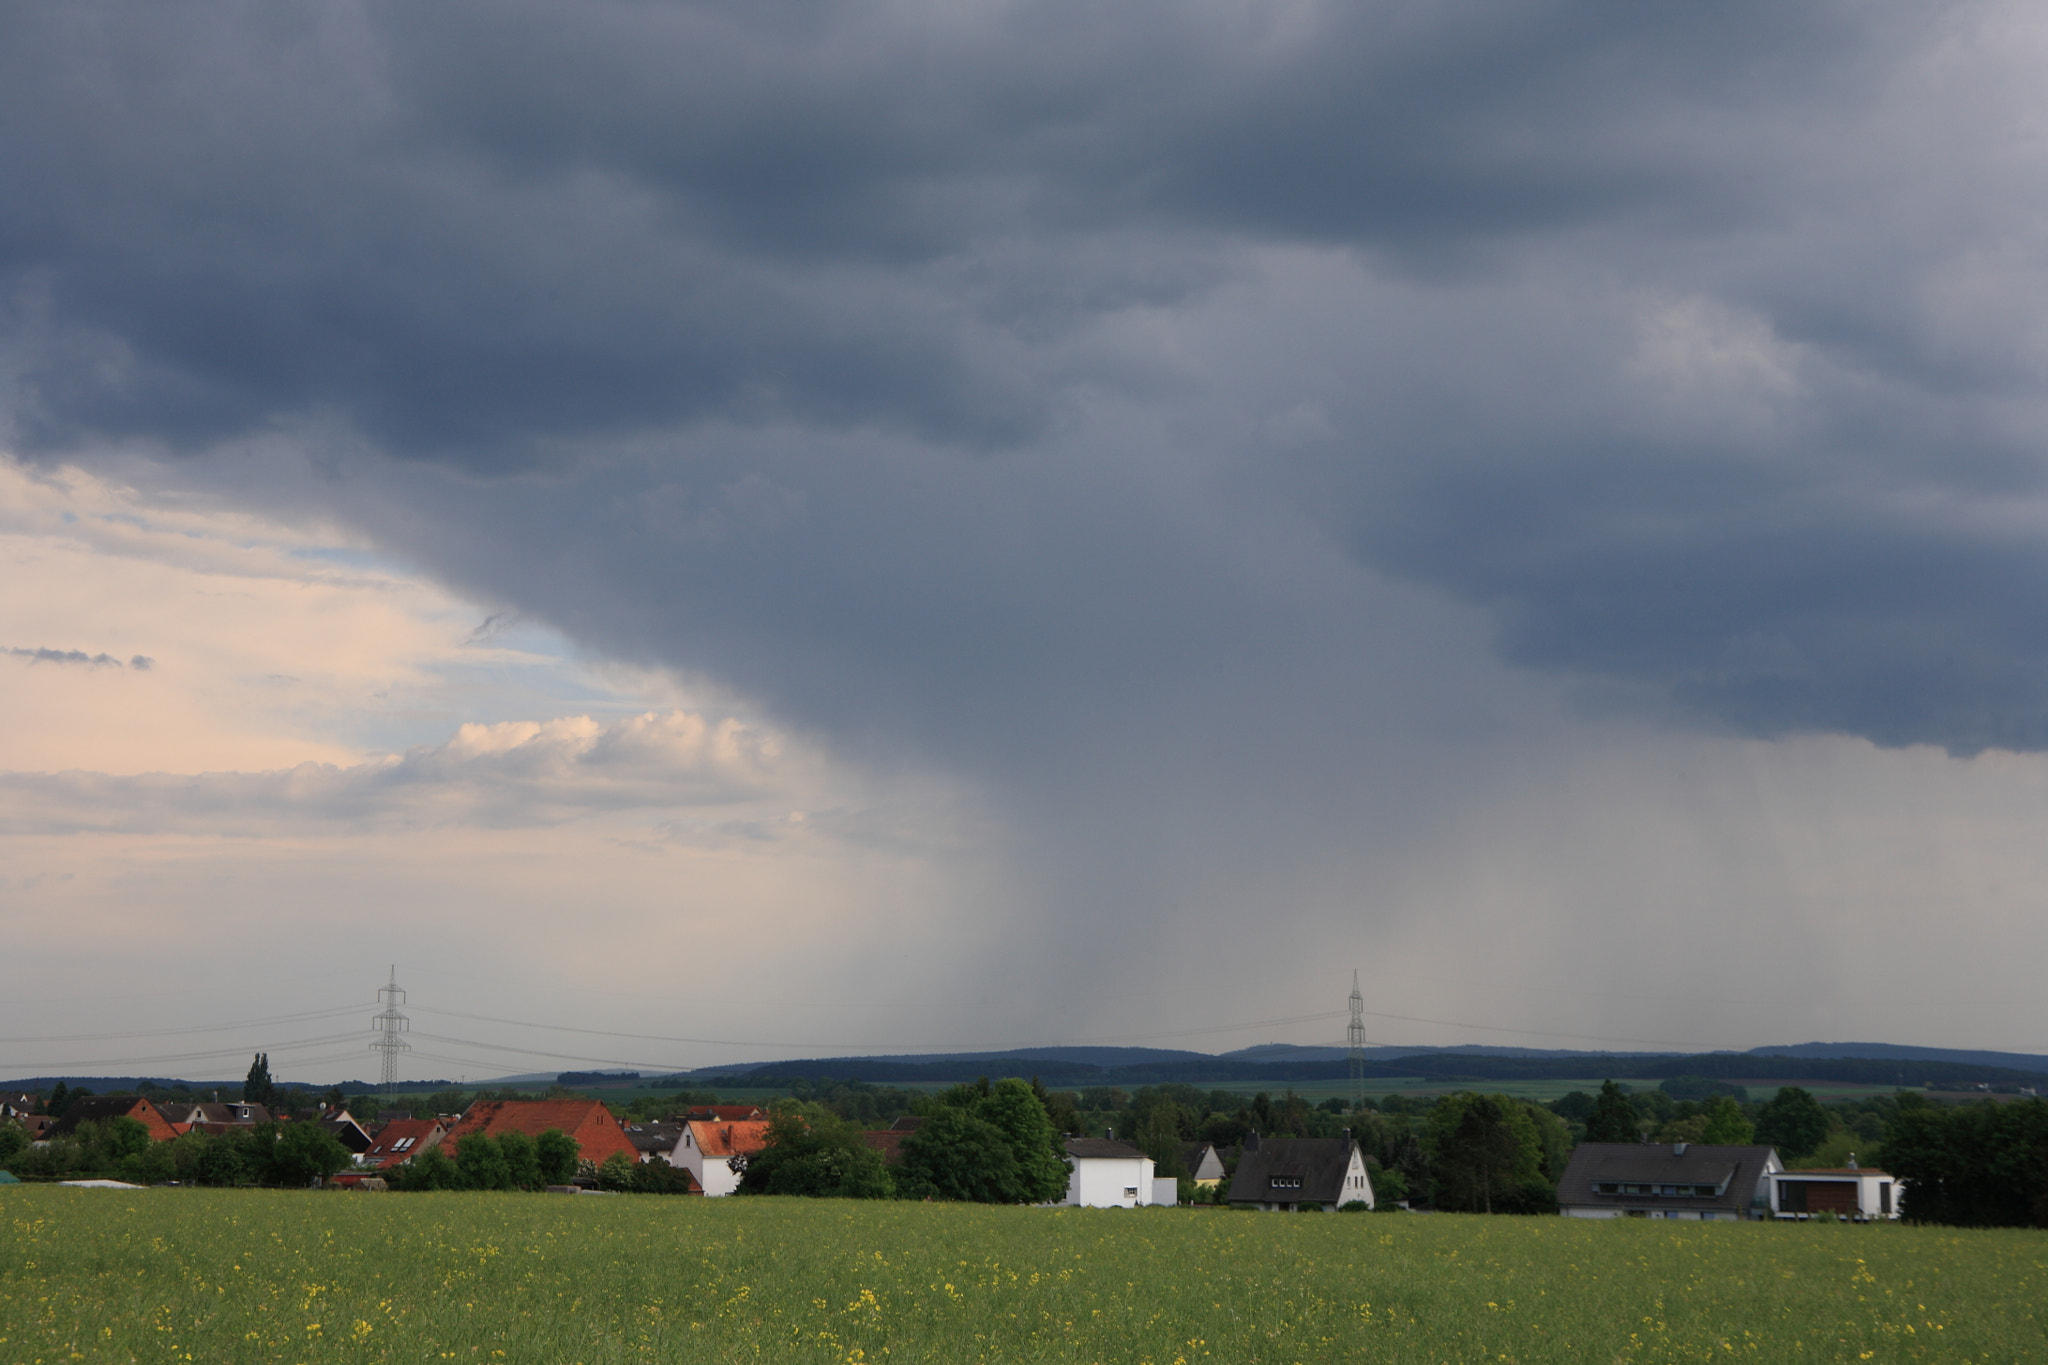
{"x":712,"y":1144}
{"x":1707,"y":1183}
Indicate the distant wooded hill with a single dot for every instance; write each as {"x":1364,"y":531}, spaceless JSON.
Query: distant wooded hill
{"x":1279,"y":1065}
{"x":1275,"y":1065}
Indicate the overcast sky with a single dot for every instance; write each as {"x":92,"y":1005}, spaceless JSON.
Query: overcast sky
{"x":781,"y":527}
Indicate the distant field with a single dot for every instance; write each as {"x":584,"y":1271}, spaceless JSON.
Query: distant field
{"x":172,"y":1275}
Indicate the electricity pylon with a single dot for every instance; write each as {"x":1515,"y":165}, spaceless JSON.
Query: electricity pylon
{"x":1355,"y":1036}
{"x":389,"y":1025}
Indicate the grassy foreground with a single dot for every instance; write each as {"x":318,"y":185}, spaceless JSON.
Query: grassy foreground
{"x":200,"y":1275}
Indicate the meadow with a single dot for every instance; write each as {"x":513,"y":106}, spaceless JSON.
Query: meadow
{"x":232,"y":1275}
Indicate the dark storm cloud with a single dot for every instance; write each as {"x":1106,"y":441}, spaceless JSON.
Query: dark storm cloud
{"x":141,"y":662}
{"x":895,"y":361}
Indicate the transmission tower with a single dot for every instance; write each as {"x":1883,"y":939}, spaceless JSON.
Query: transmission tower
{"x":1355,"y":1036}
{"x":389,"y":1025}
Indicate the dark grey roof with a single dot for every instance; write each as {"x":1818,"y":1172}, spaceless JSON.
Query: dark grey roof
{"x":349,"y":1133}
{"x":1318,"y":1164}
{"x":1198,"y":1155}
{"x":654,"y":1137}
{"x":92,"y":1109}
{"x":1731,"y":1171}
{"x":1101,"y":1147}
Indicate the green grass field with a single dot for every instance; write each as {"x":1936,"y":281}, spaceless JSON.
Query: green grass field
{"x":197,"y":1275}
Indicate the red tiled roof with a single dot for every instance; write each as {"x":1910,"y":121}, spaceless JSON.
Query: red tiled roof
{"x":731,"y":1139}
{"x":597,"y":1133}
{"x":392,"y":1148}
{"x":889,"y":1143}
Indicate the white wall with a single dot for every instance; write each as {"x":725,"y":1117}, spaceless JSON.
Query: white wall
{"x":714,"y":1174}
{"x":1100,"y":1182}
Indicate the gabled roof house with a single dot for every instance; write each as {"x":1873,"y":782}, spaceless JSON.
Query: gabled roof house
{"x":1295,"y":1173}
{"x":653,"y":1140}
{"x":597,"y":1133}
{"x":1685,"y":1180}
{"x":399,"y":1141}
{"x":105,"y":1109}
{"x":716,"y":1153}
{"x":1106,"y":1174}
{"x":1203,"y":1165}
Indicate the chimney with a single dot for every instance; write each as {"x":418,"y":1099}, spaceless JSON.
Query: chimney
{"x":1109,"y":1134}
{"x":1251,"y":1141}
{"x":1852,"y":1161}
{"x":1678,"y":1149}
{"x":1347,"y":1135}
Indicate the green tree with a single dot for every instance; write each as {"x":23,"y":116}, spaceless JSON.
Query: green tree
{"x":59,"y":1101}
{"x":1484,"y":1153}
{"x":301,"y":1153}
{"x":1793,"y":1122}
{"x":1158,"y":1136}
{"x":522,"y":1160}
{"x":1013,"y":1108}
{"x":959,"y":1155}
{"x":1972,"y":1165}
{"x":219,"y":1162}
{"x":616,"y":1174}
{"x":556,"y":1153}
{"x":1613,"y":1118}
{"x":481,"y":1163}
{"x":12,"y":1139}
{"x":121,"y":1138}
{"x":1726,"y":1124}
{"x":154,"y":1164}
{"x":811,"y":1151}
{"x":430,"y":1170}
{"x":258,"y":1088}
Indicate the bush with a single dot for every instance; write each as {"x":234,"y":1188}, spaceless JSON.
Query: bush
{"x":556,"y":1152}
{"x":617,"y":1173}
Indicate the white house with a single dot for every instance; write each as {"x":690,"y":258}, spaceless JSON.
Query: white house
{"x":1846,"y":1192}
{"x":1107,"y":1174}
{"x":716,"y":1153}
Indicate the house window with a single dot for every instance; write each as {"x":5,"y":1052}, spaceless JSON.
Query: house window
{"x":1130,"y":1191}
{"x":1884,"y":1197}
{"x":402,"y":1144}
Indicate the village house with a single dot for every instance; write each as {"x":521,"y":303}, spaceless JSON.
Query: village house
{"x":399,"y":1141}
{"x":1278,"y":1174}
{"x":1684,"y":1180}
{"x":17,"y":1104}
{"x":723,"y":1113}
{"x":213,"y":1117}
{"x":887,"y":1141}
{"x":597,"y":1134}
{"x":655,"y":1140}
{"x":345,"y":1130}
{"x":1203,"y":1165}
{"x":1846,"y":1192}
{"x":715,"y":1154}
{"x":107,"y":1108}
{"x":1106,"y":1174}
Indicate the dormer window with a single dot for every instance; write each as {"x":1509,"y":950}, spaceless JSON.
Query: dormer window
{"x":1286,"y":1182}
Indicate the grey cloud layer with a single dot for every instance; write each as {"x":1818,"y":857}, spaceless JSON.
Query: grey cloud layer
{"x":1036,"y":375}
{"x":505,"y":776}
{"x":139,"y":662}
